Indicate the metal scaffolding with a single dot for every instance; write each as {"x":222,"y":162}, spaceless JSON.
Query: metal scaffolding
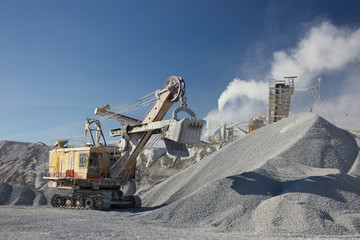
{"x":280,"y":92}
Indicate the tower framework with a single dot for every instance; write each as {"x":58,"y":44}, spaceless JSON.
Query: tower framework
{"x":280,"y":92}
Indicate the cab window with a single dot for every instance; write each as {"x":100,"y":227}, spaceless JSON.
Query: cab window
{"x":82,"y":160}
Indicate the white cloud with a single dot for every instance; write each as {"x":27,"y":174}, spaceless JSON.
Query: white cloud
{"x":345,"y":107}
{"x":324,"y":49}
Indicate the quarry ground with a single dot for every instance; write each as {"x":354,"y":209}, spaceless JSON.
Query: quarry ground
{"x":28,"y":222}
{"x":50,"y":223}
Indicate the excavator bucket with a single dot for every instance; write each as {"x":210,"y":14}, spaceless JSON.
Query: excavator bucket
{"x":187,"y":131}
{"x":181,"y":133}
{"x":176,"y":149}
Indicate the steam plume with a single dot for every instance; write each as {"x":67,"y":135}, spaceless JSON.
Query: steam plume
{"x":238,"y":89}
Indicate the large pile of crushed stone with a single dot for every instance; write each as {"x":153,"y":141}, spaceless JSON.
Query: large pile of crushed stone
{"x":23,"y":163}
{"x":21,"y":195}
{"x":299,"y":175}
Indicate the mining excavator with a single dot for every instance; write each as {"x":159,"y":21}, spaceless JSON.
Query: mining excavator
{"x":102,"y":176}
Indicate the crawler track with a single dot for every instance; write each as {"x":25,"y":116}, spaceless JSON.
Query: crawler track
{"x":93,"y":202}
{"x":78,"y":202}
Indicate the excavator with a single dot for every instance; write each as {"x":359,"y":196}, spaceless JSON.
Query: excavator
{"x":101,"y":175}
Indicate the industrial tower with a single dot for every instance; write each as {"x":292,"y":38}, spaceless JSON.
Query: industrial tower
{"x":280,"y":92}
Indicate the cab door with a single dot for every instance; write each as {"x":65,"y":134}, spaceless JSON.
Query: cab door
{"x":94,"y":165}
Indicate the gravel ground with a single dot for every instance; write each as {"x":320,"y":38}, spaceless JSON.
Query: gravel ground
{"x":49,"y":223}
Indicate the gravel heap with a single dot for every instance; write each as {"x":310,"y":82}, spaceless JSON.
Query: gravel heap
{"x":299,"y":175}
{"x":23,"y":163}
{"x":21,"y":195}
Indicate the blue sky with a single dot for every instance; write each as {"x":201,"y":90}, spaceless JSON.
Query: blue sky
{"x":59,"y":60}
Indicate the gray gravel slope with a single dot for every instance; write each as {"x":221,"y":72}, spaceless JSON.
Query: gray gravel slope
{"x":289,"y":177}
